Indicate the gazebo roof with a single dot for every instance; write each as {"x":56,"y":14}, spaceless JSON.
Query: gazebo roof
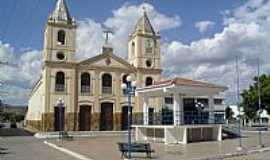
{"x":182,"y":86}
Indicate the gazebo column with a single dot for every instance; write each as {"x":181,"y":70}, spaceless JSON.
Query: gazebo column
{"x":211,"y":109}
{"x":178,"y":109}
{"x":145,"y":110}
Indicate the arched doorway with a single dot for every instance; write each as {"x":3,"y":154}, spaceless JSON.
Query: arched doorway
{"x":106,"y":117}
{"x":85,"y":118}
{"x":59,"y":118}
{"x":124,"y":118}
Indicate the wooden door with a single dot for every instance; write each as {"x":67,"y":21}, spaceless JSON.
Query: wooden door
{"x":59,"y":118}
{"x":106,"y":117}
{"x":85,"y":118}
{"x":124,"y":118}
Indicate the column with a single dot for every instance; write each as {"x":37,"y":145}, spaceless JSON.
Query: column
{"x":145,"y":110}
{"x":181,"y":104}
{"x":211,"y":118}
{"x":176,"y":109}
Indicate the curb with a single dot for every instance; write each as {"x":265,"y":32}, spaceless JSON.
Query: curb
{"x":53,"y":135}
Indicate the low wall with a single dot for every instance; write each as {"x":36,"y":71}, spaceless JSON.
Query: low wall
{"x":178,"y":134}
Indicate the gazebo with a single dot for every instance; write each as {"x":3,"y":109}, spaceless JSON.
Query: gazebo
{"x":179,"y":131}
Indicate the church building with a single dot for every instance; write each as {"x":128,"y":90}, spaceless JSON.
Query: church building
{"x":91,"y":89}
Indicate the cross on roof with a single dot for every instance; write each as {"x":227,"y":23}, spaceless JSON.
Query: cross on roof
{"x":107,"y":32}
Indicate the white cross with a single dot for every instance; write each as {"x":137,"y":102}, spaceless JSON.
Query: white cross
{"x":107,"y":32}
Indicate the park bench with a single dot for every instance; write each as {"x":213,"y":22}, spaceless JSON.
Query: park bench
{"x":65,"y":136}
{"x":135,"y":147}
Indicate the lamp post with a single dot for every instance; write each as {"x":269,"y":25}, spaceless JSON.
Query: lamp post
{"x":238,"y":104}
{"x":259,"y":103}
{"x":60,"y":105}
{"x":200,"y":108}
{"x":129,"y":89}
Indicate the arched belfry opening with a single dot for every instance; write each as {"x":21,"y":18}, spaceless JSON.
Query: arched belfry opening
{"x":61,"y":37}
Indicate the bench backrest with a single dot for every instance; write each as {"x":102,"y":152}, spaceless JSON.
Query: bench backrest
{"x":134,"y":146}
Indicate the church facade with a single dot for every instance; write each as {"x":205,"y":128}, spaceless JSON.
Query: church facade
{"x":90,"y":89}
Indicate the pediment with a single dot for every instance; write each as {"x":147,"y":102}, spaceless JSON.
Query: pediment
{"x":107,"y":60}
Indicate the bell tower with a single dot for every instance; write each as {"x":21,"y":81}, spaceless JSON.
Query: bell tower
{"x":144,"y":45}
{"x":60,"y":35}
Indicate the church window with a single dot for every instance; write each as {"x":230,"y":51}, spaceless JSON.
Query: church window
{"x":85,"y":83}
{"x":133,"y":48}
{"x":148,"y":46}
{"x":148,"y":81}
{"x":106,"y":83}
{"x":61,"y":37}
{"x":60,"y":82}
{"x":60,"y":56}
{"x":148,"y":63}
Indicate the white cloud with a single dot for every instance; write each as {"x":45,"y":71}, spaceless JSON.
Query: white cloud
{"x":18,"y":78}
{"x":204,"y":26}
{"x":246,"y":34}
{"x":90,"y":37}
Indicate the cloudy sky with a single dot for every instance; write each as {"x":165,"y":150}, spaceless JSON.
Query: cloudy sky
{"x":200,"y":39}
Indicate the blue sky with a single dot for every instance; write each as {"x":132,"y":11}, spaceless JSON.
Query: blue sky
{"x":200,"y":38}
{"x":22,"y":22}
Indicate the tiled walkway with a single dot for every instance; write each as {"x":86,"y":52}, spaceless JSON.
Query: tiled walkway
{"x":105,"y":148}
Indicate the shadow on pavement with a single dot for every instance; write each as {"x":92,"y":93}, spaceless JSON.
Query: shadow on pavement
{"x":2,"y":153}
{"x":3,"y":149}
{"x":9,"y":132}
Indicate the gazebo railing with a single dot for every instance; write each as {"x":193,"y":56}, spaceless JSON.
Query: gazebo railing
{"x":167,"y":118}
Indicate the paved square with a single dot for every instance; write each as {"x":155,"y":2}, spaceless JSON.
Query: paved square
{"x":101,"y":148}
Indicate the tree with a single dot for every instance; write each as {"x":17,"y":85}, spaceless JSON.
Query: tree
{"x":250,"y":97}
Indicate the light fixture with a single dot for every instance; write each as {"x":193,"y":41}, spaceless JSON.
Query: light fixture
{"x":133,"y":83}
{"x":124,"y":86}
{"x":129,"y":78}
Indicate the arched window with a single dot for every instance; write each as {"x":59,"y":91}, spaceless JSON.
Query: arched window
{"x":133,"y":48}
{"x":106,"y":83}
{"x":148,"y":81}
{"x":60,"y":82}
{"x":61,"y":37}
{"x":85,"y":83}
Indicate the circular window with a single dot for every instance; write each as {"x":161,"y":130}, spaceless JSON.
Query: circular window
{"x":60,"y":56}
{"x":148,"y":63}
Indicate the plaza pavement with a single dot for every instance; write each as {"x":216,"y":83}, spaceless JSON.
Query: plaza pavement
{"x":18,"y":144}
{"x":105,"y":148}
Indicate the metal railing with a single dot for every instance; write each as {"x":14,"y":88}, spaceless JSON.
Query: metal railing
{"x":107,"y":90}
{"x":59,"y":87}
{"x":85,"y":90}
{"x":167,"y":118}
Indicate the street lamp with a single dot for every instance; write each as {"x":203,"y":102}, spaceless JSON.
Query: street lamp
{"x":129,"y":89}
{"x":200,"y":107}
{"x":259,"y":103}
{"x":60,"y":105}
